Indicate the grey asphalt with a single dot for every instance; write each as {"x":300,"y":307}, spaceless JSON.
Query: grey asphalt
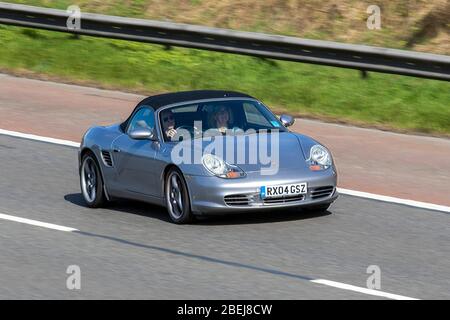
{"x":130,"y":250}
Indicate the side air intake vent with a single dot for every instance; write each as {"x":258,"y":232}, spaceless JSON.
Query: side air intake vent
{"x":107,"y":159}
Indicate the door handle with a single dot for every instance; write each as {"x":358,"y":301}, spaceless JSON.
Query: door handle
{"x":116,"y":150}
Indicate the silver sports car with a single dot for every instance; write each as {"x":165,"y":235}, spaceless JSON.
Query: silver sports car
{"x":206,"y":152}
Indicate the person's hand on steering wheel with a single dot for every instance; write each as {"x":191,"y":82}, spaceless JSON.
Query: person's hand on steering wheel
{"x":171,"y":132}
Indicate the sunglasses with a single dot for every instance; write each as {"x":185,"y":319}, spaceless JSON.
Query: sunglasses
{"x":165,"y":119}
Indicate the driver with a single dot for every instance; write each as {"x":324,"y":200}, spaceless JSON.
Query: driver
{"x":168,"y":124}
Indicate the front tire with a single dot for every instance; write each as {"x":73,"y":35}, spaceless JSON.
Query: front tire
{"x":177,"y":197}
{"x":91,"y":182}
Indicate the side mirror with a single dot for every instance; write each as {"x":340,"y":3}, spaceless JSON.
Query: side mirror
{"x":287,"y":120}
{"x":142,"y":134}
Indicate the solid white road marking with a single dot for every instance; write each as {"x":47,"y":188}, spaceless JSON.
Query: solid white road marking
{"x":39,"y":138}
{"x":36,"y":223}
{"x":372,"y":292}
{"x":412,"y":203}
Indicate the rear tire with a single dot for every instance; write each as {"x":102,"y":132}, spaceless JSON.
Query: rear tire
{"x":177,"y":197}
{"x":91,"y":182}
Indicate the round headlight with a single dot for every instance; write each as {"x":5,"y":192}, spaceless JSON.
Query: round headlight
{"x":220,"y":168}
{"x":320,"y":156}
{"x":214,"y":164}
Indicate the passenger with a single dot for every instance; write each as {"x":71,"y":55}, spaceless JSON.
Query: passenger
{"x":220,"y":118}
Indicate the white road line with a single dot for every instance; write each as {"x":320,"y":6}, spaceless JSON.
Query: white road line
{"x":412,"y":203}
{"x":372,"y":292}
{"x":39,"y":138}
{"x":36,"y":223}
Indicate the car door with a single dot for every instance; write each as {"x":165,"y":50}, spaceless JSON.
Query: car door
{"x":135,"y":159}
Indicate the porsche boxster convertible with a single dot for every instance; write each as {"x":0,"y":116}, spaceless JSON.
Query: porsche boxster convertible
{"x":206,"y":152}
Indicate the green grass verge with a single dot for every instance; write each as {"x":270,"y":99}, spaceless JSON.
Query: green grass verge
{"x":386,"y":101}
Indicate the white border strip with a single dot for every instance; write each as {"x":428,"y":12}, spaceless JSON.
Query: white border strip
{"x":36,"y":223}
{"x":372,"y":292}
{"x":412,"y":203}
{"x":39,"y":138}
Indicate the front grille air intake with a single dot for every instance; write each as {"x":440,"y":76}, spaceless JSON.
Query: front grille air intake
{"x":321,"y":192}
{"x":237,"y":200}
{"x":284,"y":199}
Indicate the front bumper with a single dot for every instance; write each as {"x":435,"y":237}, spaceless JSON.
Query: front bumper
{"x":213,"y":195}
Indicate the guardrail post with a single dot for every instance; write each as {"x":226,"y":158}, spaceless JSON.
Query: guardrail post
{"x":364,"y":74}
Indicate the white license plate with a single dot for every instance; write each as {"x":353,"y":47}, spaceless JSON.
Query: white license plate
{"x":283,"y":190}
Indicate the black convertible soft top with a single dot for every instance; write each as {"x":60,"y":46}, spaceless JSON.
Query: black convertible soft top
{"x":165,"y":99}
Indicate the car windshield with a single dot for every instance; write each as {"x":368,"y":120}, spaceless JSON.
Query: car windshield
{"x":218,"y":118}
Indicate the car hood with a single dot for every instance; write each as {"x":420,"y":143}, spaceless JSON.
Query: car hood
{"x":284,"y":153}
